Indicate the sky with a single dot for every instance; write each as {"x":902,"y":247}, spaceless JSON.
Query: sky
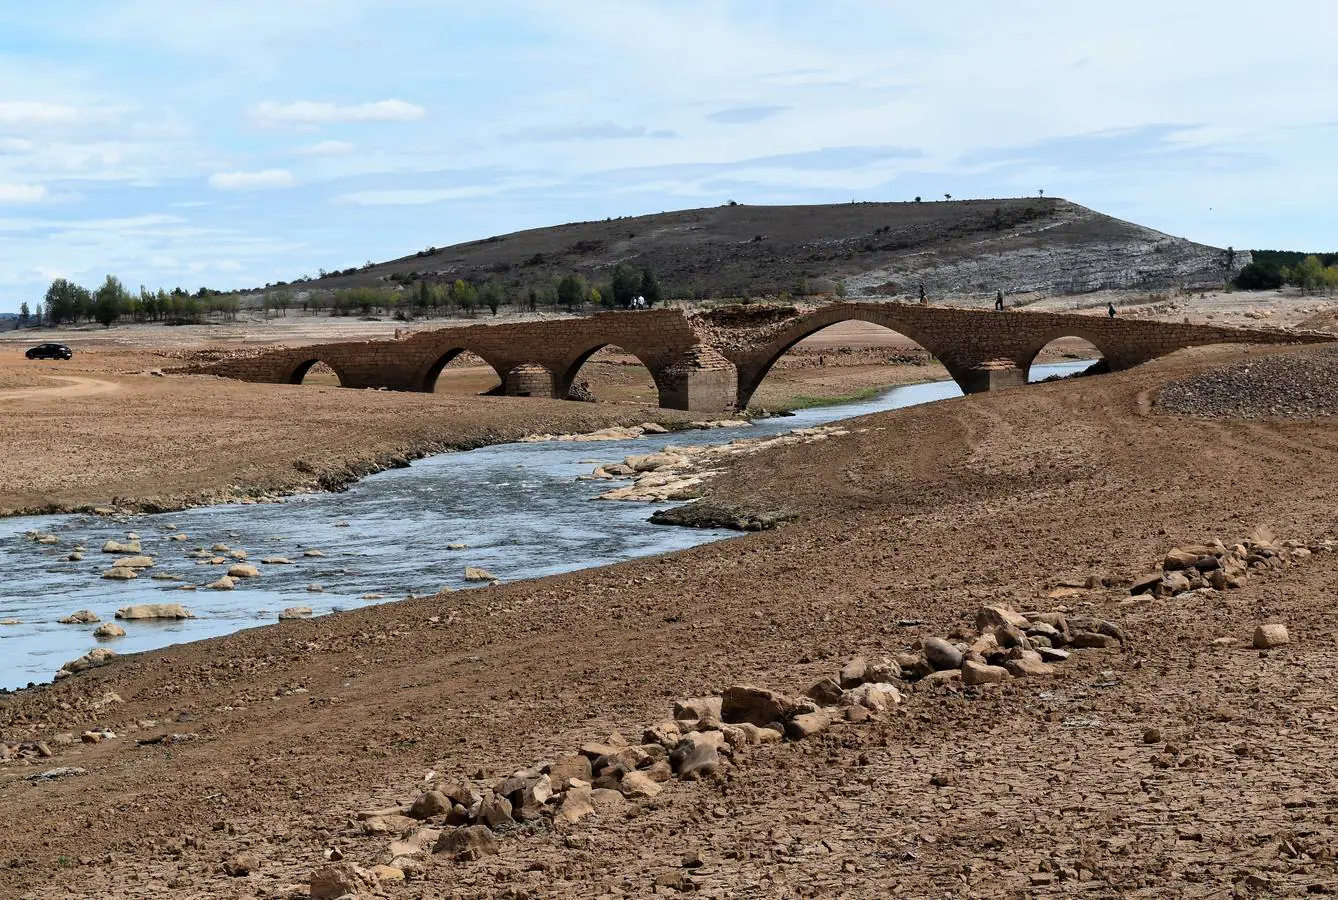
{"x":228,"y":145}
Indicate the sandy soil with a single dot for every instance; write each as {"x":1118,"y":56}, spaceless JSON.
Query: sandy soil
{"x":905,"y":526}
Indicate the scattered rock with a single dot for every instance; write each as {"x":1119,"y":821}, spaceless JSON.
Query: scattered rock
{"x":429,"y":805}
{"x":242,"y":570}
{"x":295,"y":612}
{"x":473,"y":573}
{"x":1266,"y":637}
{"x":276,"y":561}
{"x":241,"y":864}
{"x":577,"y":802}
{"x":975,"y":673}
{"x":82,"y":617}
{"x":468,"y":843}
{"x":639,"y":786}
{"x":568,"y":767}
{"x":700,"y":708}
{"x":342,"y":880}
{"x":826,"y":691}
{"x":695,"y":756}
{"x":990,"y":617}
{"x":135,"y":562}
{"x":806,"y":725}
{"x":853,"y":673}
{"x":1028,"y":668}
{"x":117,"y":573}
{"x":108,"y":631}
{"x":746,"y":703}
{"x":118,"y":547}
{"x":941,"y":654}
{"x":223,"y":584}
{"x":154,"y":611}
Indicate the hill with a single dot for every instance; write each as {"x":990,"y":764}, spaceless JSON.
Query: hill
{"x":967,"y":247}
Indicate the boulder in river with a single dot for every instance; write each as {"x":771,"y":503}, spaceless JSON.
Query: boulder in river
{"x":154,"y":611}
{"x":108,"y":630}
{"x":119,"y":573}
{"x":135,"y":562}
{"x":118,"y":547}
{"x":295,"y":612}
{"x":473,"y":573}
{"x":277,"y":561}
{"x":82,"y":617}
{"x":242,"y":570}
{"x":223,"y":584}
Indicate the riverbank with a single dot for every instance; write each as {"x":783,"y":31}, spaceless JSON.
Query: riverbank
{"x":904,"y":526}
{"x":100,"y":432}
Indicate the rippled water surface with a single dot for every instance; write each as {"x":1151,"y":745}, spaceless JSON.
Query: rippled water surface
{"x":517,"y":506}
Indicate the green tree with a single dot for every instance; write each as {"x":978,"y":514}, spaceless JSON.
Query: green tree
{"x":64,"y":301}
{"x":110,"y":301}
{"x":571,"y":291}
{"x":464,"y":296}
{"x":596,"y":297}
{"x":840,"y":289}
{"x":626,"y":285}
{"x":650,"y":288}
{"x":24,"y":314}
{"x":493,"y":295}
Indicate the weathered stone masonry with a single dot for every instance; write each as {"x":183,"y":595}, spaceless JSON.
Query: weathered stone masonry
{"x":699,"y":365}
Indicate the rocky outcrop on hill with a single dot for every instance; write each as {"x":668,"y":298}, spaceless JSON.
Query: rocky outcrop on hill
{"x":1061,"y":249}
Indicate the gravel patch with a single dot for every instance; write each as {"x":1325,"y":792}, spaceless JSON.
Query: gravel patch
{"x":1291,"y":386}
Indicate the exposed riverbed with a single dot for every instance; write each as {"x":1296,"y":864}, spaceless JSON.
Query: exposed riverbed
{"x":518,"y":508}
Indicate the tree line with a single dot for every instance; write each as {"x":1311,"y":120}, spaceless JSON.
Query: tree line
{"x":1272,"y":269}
{"x":67,"y":303}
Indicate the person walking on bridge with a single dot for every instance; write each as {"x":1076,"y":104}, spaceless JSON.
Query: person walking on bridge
{"x":998,"y":301}
{"x":1110,"y":309}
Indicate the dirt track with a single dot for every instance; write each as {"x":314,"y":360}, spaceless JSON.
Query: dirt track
{"x":917,"y":516}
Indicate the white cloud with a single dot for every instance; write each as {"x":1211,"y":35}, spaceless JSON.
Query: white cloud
{"x":17,"y":113}
{"x":15,"y":145}
{"x":22,"y":193}
{"x":308,"y":112}
{"x":251,"y":181}
{"x":326,"y":148}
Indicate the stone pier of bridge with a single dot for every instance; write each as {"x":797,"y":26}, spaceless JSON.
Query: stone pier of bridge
{"x":714,"y":361}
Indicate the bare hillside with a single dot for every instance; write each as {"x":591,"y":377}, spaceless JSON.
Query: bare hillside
{"x":877,"y":249}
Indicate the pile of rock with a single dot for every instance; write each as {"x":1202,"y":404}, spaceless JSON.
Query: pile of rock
{"x":1219,"y":567}
{"x":461,"y":819}
{"x":1007,"y":645}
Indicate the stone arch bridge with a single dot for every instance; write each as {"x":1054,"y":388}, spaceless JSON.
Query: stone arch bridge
{"x":715,"y":360}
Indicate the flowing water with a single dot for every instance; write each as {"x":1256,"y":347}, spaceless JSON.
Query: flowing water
{"x":518,"y":507}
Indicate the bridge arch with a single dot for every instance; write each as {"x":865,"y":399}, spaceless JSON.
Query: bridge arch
{"x":1027,"y":359}
{"x":754,"y":371}
{"x":299,"y":373}
{"x":566,"y":377}
{"x":427,"y":382}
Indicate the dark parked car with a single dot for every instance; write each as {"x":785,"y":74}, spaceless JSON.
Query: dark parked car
{"x":50,"y":351}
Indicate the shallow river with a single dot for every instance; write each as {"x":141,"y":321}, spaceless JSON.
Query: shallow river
{"x":518,"y":507}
